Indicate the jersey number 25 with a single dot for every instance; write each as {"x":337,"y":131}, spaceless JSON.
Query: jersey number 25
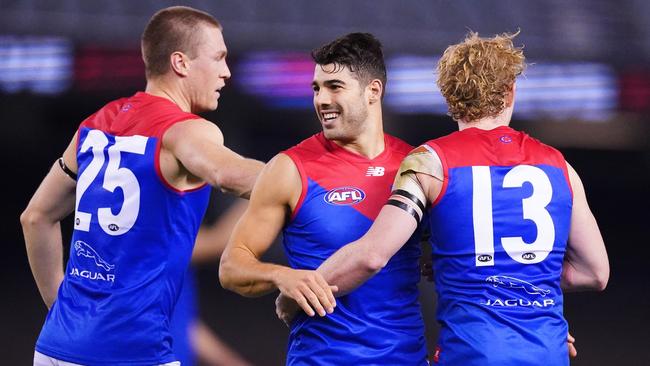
{"x":114,"y":177}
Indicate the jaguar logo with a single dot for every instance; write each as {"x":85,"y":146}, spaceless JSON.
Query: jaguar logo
{"x":83,"y":249}
{"x":511,"y":282}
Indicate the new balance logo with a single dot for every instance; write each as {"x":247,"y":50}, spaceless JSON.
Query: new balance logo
{"x":375,"y":171}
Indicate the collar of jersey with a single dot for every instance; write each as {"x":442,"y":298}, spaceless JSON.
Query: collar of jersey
{"x":478,"y":131}
{"x":352,"y":156}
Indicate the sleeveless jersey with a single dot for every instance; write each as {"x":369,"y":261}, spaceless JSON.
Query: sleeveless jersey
{"x":499,"y":230}
{"x":131,"y":245}
{"x":380,"y":322}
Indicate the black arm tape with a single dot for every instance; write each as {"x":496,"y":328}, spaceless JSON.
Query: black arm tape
{"x":67,"y":170}
{"x":406,"y":207}
{"x":412,"y":197}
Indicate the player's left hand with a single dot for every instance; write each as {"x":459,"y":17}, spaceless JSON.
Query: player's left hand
{"x":573,"y":352}
{"x":286,"y":308}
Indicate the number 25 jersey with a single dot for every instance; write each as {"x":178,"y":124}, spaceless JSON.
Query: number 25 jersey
{"x":499,"y":229}
{"x":132,"y":241}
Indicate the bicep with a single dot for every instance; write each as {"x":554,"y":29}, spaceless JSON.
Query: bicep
{"x":198,"y":146}
{"x":269,"y":206}
{"x":55,"y":197}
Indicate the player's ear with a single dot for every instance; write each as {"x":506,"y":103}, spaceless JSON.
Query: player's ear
{"x":375,"y":89}
{"x":179,"y":63}
{"x":510,"y":94}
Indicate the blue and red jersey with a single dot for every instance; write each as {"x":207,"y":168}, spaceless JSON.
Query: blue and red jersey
{"x":132,"y":241}
{"x":499,"y":230}
{"x":380,"y":322}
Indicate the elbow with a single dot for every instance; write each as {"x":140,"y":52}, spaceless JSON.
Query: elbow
{"x":374,"y":262}
{"x":595,"y":280}
{"x":228,"y":278}
{"x":30,"y":218}
{"x":601,"y":280}
{"x":228,"y":183}
{"x":225,"y":275}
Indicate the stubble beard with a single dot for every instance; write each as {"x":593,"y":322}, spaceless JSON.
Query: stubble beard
{"x":350,"y":128}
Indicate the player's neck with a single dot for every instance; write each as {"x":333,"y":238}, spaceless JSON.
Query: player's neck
{"x":370,"y":142}
{"x":488,"y":123}
{"x":161,"y":89}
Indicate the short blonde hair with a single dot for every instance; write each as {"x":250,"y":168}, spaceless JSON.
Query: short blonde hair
{"x":475,"y":75}
{"x":176,"y":28}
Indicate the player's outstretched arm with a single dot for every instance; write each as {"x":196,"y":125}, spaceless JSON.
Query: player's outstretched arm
{"x":415,"y":185}
{"x":356,"y":262}
{"x":54,"y":200}
{"x":276,"y":192}
{"x":198,"y":145}
{"x":586,"y":266}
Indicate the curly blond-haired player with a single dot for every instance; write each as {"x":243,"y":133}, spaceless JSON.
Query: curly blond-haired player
{"x":510,"y":224}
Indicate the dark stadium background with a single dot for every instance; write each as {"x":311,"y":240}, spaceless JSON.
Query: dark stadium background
{"x":609,"y":147}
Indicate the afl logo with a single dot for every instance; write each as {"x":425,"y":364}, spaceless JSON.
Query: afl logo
{"x":484,"y":258}
{"x":344,"y":196}
{"x":505,"y":139}
{"x":528,"y":256}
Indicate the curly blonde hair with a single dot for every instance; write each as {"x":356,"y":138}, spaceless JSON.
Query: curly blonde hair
{"x":475,"y":75}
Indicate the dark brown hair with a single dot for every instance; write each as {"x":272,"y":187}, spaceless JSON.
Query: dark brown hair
{"x":360,"y":52}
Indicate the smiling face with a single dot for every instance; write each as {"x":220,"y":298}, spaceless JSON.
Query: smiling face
{"x":340,"y":102}
{"x":208,"y":71}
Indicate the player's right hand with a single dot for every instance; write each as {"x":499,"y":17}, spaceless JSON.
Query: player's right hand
{"x":309,"y":289}
{"x":285,"y":309}
{"x":573,"y":352}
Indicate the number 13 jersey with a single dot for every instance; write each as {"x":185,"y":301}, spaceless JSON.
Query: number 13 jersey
{"x":499,"y":229}
{"x":132,"y":241}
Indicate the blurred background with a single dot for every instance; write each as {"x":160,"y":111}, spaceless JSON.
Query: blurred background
{"x":586,"y":92}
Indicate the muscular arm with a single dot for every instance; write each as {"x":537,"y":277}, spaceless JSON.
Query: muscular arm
{"x":356,"y":262}
{"x":275,"y":194}
{"x":353,"y":264}
{"x":586,"y":265}
{"x":53,"y":201}
{"x":198,"y":146}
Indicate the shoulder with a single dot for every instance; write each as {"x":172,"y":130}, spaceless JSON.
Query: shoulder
{"x":308,"y":149}
{"x":104,"y":114}
{"x":193,"y":131}
{"x":547,"y":154}
{"x":452,"y":138}
{"x":398,"y":145}
{"x":280,"y":178}
{"x":423,"y":159}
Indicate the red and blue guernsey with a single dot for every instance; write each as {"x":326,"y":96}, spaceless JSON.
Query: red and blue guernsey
{"x":131,"y":245}
{"x":380,"y":322}
{"x":499,"y":230}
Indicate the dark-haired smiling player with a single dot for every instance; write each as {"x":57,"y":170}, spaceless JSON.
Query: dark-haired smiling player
{"x":323,"y":193}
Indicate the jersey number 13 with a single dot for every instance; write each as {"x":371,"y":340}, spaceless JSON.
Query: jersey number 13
{"x":534,"y":209}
